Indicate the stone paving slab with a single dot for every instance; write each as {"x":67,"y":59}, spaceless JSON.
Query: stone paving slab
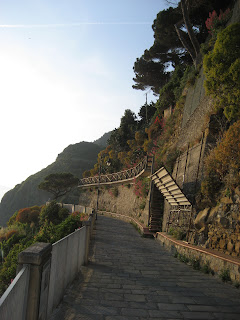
{"x":134,"y":278}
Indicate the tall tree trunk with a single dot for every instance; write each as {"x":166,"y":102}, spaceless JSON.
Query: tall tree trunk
{"x":188,"y":25}
{"x":181,"y":36}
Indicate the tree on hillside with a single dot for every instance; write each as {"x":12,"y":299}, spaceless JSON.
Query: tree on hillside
{"x":178,"y":31}
{"x":189,"y":7}
{"x":126,"y":131}
{"x":149,"y":74}
{"x":145,"y":114}
{"x":59,"y":184}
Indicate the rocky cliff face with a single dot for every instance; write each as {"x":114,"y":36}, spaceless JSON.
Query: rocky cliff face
{"x":219,"y":227}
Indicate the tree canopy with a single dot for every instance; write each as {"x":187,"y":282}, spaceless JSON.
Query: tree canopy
{"x":59,"y":184}
{"x":125,"y":132}
{"x":176,"y":39}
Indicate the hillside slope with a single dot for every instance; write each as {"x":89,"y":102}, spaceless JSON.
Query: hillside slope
{"x":75,"y":159}
{"x":103,"y":141}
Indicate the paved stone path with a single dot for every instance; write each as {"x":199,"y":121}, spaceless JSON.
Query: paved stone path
{"x":133,"y":278}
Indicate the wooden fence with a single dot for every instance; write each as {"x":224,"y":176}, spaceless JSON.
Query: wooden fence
{"x":128,"y":174}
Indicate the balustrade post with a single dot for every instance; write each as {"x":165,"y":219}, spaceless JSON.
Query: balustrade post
{"x":87,"y":224}
{"x":38,"y":257}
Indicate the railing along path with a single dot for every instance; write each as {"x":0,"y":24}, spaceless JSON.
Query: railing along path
{"x":128,"y":174}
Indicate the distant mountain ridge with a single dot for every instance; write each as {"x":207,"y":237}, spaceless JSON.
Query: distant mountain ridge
{"x":75,"y":159}
{"x":103,"y":141}
{"x":3,"y":190}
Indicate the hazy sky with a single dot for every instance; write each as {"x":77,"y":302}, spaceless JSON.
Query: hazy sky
{"x":66,"y":75}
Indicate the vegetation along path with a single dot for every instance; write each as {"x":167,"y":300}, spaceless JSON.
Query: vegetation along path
{"x":130,"y":277}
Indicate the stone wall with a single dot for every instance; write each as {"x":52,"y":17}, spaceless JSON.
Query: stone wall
{"x":194,"y":97}
{"x":187,"y":170}
{"x":219,"y":227}
{"x":195,"y":123}
{"x":236,"y":13}
{"x":123,"y":201}
{"x":204,"y":257}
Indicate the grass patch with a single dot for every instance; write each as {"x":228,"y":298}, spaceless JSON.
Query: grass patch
{"x":225,"y":275}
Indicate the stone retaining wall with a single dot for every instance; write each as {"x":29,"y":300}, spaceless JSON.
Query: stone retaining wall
{"x":119,"y":200}
{"x":219,"y":227}
{"x":216,"y":261}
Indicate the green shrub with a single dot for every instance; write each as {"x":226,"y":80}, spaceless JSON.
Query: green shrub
{"x":222,"y":69}
{"x":63,"y":213}
{"x":183,"y":258}
{"x":225,"y":275}
{"x":177,"y":233}
{"x":222,"y":162}
{"x":12,"y":220}
{"x":8,"y":270}
{"x":142,"y":205}
{"x":195,"y":263}
{"x":172,"y":91}
{"x":53,"y":213}
{"x":206,"y":268}
{"x":68,"y":226}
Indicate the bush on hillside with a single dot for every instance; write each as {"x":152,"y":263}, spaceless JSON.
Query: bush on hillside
{"x":222,"y":68}
{"x":222,"y":165}
{"x":216,"y":23}
{"x":15,"y":241}
{"x":26,"y":215}
{"x":53,"y":213}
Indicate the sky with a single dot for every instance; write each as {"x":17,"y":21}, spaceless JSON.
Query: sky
{"x":66,"y":69}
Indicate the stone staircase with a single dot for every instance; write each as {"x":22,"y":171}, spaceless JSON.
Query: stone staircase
{"x":156,"y":210}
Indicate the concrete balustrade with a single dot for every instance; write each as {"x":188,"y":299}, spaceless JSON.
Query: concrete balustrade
{"x":68,"y":255}
{"x":44,"y":272}
{"x":13,"y":302}
{"x":75,"y":207}
{"x":80,"y":208}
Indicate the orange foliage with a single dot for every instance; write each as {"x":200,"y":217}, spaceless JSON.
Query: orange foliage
{"x":33,"y":216}
{"x":226,"y":155}
{"x":139,"y":138}
{"x":22,"y":215}
{"x":28,"y":215}
{"x":222,"y":165}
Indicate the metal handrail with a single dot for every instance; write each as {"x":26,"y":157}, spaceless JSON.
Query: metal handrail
{"x":117,"y":176}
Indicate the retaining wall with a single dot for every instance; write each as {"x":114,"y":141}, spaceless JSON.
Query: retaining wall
{"x":195,"y":95}
{"x":216,"y":261}
{"x":125,"y":202}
